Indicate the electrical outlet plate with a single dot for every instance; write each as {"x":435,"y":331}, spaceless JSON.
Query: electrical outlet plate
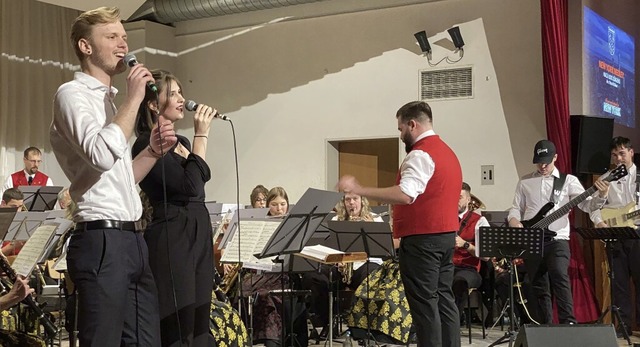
{"x":486,"y":175}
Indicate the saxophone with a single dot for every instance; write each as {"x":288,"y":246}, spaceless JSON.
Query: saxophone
{"x":229,"y":278}
{"x":346,"y":270}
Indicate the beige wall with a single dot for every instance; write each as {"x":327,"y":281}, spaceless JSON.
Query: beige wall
{"x":293,"y":85}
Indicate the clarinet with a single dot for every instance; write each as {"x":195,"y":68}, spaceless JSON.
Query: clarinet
{"x":49,"y":328}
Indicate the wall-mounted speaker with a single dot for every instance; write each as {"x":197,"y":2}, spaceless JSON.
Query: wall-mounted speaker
{"x":565,"y":335}
{"x":590,"y":141}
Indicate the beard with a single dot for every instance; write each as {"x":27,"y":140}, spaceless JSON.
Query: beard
{"x":408,"y":143}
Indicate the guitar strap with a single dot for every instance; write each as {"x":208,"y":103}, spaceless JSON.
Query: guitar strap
{"x":558,"y":183}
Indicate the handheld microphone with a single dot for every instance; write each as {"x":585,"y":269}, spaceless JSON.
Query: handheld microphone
{"x":131,"y":61}
{"x":192,"y":105}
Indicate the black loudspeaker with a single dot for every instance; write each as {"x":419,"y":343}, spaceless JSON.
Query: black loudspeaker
{"x":587,"y":335}
{"x":590,"y":141}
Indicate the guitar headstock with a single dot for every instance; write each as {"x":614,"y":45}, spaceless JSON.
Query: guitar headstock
{"x":617,"y":173}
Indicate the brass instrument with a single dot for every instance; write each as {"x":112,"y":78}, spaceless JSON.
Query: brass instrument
{"x":475,"y":203}
{"x":346,"y":270}
{"x":229,"y":278}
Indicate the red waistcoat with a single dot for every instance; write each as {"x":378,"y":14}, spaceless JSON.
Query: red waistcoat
{"x":20,"y":179}
{"x":460,"y":256}
{"x":436,"y":210}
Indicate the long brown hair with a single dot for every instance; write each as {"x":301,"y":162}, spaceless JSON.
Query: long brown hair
{"x":146,"y":116}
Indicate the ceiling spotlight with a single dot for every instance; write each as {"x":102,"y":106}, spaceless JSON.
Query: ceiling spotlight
{"x":425,"y":47}
{"x":456,"y":37}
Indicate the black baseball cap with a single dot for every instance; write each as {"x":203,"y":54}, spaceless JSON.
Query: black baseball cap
{"x":544,"y":152}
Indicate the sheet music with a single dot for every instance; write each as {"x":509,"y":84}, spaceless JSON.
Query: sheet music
{"x":33,"y":249}
{"x":255,"y":235}
{"x":61,"y":263}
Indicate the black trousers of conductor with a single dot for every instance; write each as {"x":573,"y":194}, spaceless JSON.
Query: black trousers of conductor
{"x":426,"y":266}
{"x":551,"y":273}
{"x":118,"y":303}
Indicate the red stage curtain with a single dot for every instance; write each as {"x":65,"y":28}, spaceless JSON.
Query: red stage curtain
{"x":556,"y":93}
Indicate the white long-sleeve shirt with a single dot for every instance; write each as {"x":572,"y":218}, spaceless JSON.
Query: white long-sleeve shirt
{"x":534,"y":191}
{"x":621,"y":193}
{"x":93,"y":152}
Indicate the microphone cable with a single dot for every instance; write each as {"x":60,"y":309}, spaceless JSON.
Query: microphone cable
{"x":239,"y":291}
{"x":165,"y":204}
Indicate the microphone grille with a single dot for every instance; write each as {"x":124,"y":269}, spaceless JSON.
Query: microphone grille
{"x":191,"y":105}
{"x":130,"y":59}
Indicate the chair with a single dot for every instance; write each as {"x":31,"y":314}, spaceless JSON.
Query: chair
{"x":479,"y":302}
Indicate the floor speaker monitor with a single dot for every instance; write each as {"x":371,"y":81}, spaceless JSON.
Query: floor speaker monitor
{"x":565,"y":335}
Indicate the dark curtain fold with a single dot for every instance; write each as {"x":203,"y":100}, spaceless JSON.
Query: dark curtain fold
{"x":555,"y":59}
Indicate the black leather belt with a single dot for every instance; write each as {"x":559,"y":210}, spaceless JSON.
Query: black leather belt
{"x":105,"y":224}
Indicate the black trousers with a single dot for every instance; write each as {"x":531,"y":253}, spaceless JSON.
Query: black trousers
{"x":626,"y":266}
{"x":426,"y":266}
{"x":551,"y":273}
{"x":118,"y":303}
{"x":463,"y":279}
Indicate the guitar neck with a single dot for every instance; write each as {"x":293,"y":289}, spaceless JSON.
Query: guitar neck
{"x":566,"y":208}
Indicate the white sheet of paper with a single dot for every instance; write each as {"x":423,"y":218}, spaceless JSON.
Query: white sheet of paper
{"x":255,"y":235}
{"x":32,"y":250}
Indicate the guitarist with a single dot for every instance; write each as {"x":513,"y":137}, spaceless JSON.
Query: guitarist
{"x":626,"y":254}
{"x":533,"y":191}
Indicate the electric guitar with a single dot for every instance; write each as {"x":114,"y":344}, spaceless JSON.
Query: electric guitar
{"x":543,"y":222}
{"x":620,"y":217}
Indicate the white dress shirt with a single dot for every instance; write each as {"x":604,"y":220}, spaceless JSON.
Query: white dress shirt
{"x":8,"y":183}
{"x":416,"y":170}
{"x":621,"y":193}
{"x":93,"y":152}
{"x":534,"y":191}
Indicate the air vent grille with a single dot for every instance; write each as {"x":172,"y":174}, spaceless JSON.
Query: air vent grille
{"x":453,"y":83}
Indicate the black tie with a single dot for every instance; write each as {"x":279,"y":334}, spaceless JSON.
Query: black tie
{"x":30,"y":180}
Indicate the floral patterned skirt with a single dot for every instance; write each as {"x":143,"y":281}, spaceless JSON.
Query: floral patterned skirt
{"x":385,"y":305}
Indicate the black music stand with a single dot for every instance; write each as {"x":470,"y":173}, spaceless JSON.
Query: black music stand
{"x":510,"y":243}
{"x":40,"y":198}
{"x":373,"y":238}
{"x":296,"y":230}
{"x":609,"y":236}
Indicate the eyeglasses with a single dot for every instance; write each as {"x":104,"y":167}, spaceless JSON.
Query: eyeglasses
{"x":34,"y":161}
{"x":261,"y":200}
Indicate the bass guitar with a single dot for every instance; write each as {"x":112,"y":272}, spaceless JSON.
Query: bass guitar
{"x":49,"y":328}
{"x":621,"y":217}
{"x":541,"y":221}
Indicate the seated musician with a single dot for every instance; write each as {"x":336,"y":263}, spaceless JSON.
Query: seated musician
{"x":352,"y":207}
{"x":466,"y":265}
{"x":267,"y":319}
{"x":12,"y":197}
{"x":259,"y":196}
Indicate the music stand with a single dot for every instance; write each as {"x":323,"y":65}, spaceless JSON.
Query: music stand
{"x":373,"y":238}
{"x":296,"y":230}
{"x":305,"y":217}
{"x":510,"y":243}
{"x":609,"y":236}
{"x":7,"y":214}
{"x":40,"y":198}
{"x":23,"y":225}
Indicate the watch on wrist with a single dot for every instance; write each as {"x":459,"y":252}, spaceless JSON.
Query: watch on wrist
{"x":466,"y":245}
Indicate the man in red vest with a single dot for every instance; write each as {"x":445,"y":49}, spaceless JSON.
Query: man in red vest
{"x":467,"y":264}
{"x":30,"y":176}
{"x":425,"y":217}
